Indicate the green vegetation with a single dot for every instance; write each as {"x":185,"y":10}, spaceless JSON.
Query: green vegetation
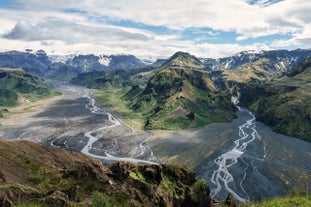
{"x":177,"y":98}
{"x":30,"y":204}
{"x":177,"y":95}
{"x":113,"y":97}
{"x":17,"y":86}
{"x":115,"y":78}
{"x":254,"y":72}
{"x":284,"y":104}
{"x":286,"y":202}
{"x":102,"y":200}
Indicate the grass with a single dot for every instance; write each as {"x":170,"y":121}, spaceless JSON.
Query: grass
{"x":112,"y":97}
{"x":286,"y":202}
{"x":30,"y":204}
{"x":138,"y":176}
{"x":100,"y":199}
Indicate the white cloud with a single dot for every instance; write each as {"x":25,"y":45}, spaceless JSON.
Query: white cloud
{"x":233,"y":15}
{"x":50,"y":25}
{"x":300,"y":39}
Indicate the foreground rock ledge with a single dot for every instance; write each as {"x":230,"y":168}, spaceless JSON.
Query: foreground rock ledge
{"x":34,"y":174}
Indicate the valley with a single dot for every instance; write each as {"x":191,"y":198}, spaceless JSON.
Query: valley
{"x":177,"y":111}
{"x":248,"y":152}
{"x":74,"y":122}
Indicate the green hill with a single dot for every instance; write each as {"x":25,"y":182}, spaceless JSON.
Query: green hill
{"x":17,"y":86}
{"x":180,"y":95}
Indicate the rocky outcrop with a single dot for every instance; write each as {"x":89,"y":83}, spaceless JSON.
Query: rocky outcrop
{"x":56,"y":177}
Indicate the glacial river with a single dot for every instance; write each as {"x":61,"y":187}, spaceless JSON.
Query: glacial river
{"x":139,"y":152}
{"x":257,"y":163}
{"x":222,"y":178}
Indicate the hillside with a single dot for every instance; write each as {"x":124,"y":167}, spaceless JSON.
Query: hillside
{"x":35,"y":175}
{"x":181,"y":95}
{"x":114,"y":78}
{"x":254,"y":72}
{"x":17,"y":86}
{"x":285,"y":103}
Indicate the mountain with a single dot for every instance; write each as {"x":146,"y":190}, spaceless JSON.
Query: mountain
{"x":183,"y":60}
{"x":35,"y":175}
{"x":245,"y":74}
{"x":18,"y":86}
{"x":88,"y":63}
{"x":56,"y":66}
{"x":179,"y":95}
{"x":60,"y":71}
{"x":284,"y":104}
{"x":278,"y":60}
{"x":34,"y":62}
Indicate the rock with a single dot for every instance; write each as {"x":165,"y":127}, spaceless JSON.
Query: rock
{"x":72,"y":193}
{"x":230,"y":201}
{"x":56,"y":199}
{"x":4,"y":202}
{"x":2,"y":178}
{"x":120,"y":170}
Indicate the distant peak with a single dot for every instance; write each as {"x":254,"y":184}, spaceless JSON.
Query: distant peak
{"x":184,"y":60}
{"x":181,"y":54}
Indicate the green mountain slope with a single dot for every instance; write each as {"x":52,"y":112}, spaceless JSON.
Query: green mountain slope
{"x":35,"y":175}
{"x":180,"y":95}
{"x":254,"y":72}
{"x":17,"y":86}
{"x":115,"y":78}
{"x":284,"y":104}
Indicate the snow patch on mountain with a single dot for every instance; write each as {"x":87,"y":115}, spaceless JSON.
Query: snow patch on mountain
{"x":104,"y":60}
{"x":60,"y":58}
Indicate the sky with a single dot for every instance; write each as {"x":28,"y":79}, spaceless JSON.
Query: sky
{"x":154,"y":28}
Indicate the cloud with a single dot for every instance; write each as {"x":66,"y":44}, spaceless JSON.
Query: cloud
{"x":70,"y":32}
{"x":234,"y":15}
{"x":90,"y":25}
{"x":301,"y":39}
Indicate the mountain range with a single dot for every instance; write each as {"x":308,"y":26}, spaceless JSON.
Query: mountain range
{"x":50,"y":66}
{"x":279,"y":60}
{"x":183,"y":90}
{"x":39,"y":61}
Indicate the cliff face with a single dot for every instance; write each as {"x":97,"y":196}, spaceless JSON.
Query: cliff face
{"x":35,"y":174}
